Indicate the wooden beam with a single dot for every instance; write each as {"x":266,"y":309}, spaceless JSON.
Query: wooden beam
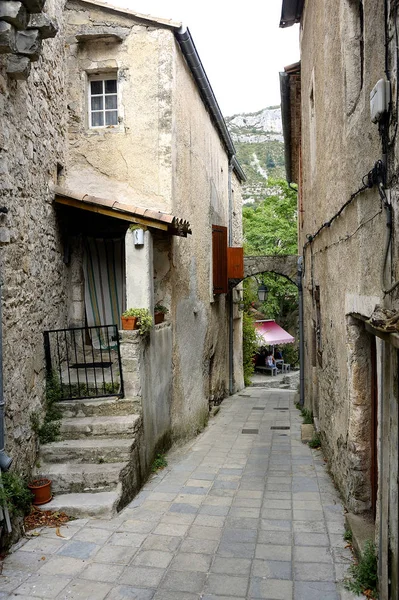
{"x":108,"y":212}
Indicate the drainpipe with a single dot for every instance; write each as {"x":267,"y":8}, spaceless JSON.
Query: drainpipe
{"x":231,"y":305}
{"x":301,"y":340}
{"x":5,"y":460}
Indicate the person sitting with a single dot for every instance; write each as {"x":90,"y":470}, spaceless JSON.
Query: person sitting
{"x":277,"y":354}
{"x":269,"y":361}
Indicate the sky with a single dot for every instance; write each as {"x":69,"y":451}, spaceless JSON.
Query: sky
{"x":240,"y":46}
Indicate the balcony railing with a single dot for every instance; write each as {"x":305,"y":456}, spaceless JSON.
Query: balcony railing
{"x":85,"y":360}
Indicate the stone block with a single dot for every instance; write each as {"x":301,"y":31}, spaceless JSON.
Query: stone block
{"x":307,"y":433}
{"x":47,"y":27}
{"x":29,"y":43}
{"x":4,"y":235}
{"x":14,"y":13}
{"x":34,"y":6}
{"x":18,"y":67}
{"x":7,"y":38}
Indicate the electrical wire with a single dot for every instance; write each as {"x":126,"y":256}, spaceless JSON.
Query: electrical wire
{"x":375,"y":176}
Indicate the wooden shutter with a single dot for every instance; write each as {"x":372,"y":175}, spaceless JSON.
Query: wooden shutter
{"x":235,"y":263}
{"x":219,"y":259}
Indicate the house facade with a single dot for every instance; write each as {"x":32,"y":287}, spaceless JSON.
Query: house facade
{"x":343,"y":154}
{"x":138,"y":204}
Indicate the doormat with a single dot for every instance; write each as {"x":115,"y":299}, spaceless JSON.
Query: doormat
{"x":280,"y":427}
{"x":250,"y":431}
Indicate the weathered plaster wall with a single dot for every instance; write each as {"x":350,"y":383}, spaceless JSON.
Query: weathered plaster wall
{"x":200,"y":185}
{"x":130,"y":161}
{"x":32,"y":142}
{"x":340,"y":145}
{"x":147,"y":368}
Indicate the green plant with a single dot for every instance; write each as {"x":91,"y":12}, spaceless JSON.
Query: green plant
{"x":159,"y":308}
{"x":307,"y":416}
{"x":145,"y":320}
{"x":160,"y":462}
{"x":363,"y":576}
{"x":48,"y":429}
{"x":348,"y":536}
{"x":15,"y":494}
{"x":315,"y":442}
{"x":249,"y":346}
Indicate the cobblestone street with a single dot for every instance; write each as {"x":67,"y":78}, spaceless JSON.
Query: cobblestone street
{"x":243,"y":511}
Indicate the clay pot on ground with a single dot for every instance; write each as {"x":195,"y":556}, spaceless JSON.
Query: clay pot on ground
{"x":41,"y":490}
{"x":129,"y":323}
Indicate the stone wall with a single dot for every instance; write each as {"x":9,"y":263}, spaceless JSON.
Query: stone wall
{"x":32,"y":145}
{"x":343,"y":265}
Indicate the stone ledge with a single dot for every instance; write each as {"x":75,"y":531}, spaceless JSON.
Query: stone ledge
{"x":307,"y":433}
{"x":362,"y":528}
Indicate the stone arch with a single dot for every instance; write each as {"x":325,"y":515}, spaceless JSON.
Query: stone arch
{"x":286,"y":266}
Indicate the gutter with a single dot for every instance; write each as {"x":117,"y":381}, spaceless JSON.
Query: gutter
{"x":190,"y":53}
{"x":291,"y":12}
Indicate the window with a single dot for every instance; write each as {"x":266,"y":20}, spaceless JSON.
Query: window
{"x":103,"y":99}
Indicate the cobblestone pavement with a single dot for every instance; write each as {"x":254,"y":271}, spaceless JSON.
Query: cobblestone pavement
{"x":244,"y":511}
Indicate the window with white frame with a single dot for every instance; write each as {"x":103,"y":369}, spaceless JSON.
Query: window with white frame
{"x":103,"y":101}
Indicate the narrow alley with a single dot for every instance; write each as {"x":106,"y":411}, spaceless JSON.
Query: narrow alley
{"x":244,"y":511}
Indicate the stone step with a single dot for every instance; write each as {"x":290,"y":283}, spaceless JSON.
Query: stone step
{"x":100,"y":407}
{"x":88,"y":450}
{"x":82,"y":427}
{"x":83,"y":477}
{"x":102,"y":504}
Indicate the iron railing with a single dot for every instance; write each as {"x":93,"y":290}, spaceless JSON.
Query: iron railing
{"x":86,"y":361}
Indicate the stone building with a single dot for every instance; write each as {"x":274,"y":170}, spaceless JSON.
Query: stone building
{"x":131,"y":199}
{"x":344,"y":156}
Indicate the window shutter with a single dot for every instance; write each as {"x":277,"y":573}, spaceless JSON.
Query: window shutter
{"x":235,"y":263}
{"x":219,"y":259}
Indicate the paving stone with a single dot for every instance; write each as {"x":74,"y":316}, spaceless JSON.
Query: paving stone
{"x":97,"y":572}
{"x":24,"y":561}
{"x":273,"y":552}
{"x":179,"y":507}
{"x":226,"y":585}
{"x":121,"y":555}
{"x":184,"y":581}
{"x":272,"y":569}
{"x":127,"y":592}
{"x":42,"y":586}
{"x":310,"y":539}
{"x":83,"y":550}
{"x":167,"y":595}
{"x":62,"y":565}
{"x":217,"y":501}
{"x":232,"y":566}
{"x":136,"y":526}
{"x":314,"y":572}
{"x":142,"y":577}
{"x":126,"y":538}
{"x":84,"y":590}
{"x":275,"y":525}
{"x":171,"y":529}
{"x":315,"y":590}
{"x":205,"y":533}
{"x":199,"y":546}
{"x":309,"y":527}
{"x":152,"y":558}
{"x":96,"y":536}
{"x":168,"y":543}
{"x":270,"y":589}
{"x":312,"y":554}
{"x":239,"y":535}
{"x":236,"y":550}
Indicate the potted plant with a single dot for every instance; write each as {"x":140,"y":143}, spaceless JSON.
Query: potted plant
{"x":159,"y":313}
{"x":41,"y":490}
{"x":137,"y":318}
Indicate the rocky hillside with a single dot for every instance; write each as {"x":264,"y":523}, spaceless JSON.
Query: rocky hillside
{"x":258,"y":138}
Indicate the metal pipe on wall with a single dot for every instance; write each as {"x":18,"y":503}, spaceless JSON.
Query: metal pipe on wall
{"x":231,"y":304}
{"x":301,"y":334}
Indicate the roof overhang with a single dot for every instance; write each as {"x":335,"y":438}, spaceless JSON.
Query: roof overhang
{"x":126,"y":212}
{"x":286,"y":116}
{"x":291,"y":12}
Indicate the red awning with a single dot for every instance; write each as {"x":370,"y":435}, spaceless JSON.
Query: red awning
{"x":272,"y":333}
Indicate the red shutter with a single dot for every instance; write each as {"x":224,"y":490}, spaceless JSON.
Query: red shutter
{"x":235,"y":263}
{"x":219,"y":256}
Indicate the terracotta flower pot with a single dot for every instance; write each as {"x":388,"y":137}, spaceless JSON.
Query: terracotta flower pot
{"x":159,"y":317}
{"x":41,"y":490}
{"x":129,"y":323}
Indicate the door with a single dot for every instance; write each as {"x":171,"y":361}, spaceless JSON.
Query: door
{"x":374,"y":426}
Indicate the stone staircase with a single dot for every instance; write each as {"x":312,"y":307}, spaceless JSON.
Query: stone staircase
{"x":95,"y":468}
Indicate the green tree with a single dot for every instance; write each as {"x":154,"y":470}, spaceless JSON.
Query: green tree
{"x":270,"y":227}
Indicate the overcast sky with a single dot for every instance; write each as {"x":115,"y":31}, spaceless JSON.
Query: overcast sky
{"x":241,"y":46}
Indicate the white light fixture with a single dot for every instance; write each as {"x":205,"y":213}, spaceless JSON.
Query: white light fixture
{"x":138,"y":236}
{"x":263,"y":291}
